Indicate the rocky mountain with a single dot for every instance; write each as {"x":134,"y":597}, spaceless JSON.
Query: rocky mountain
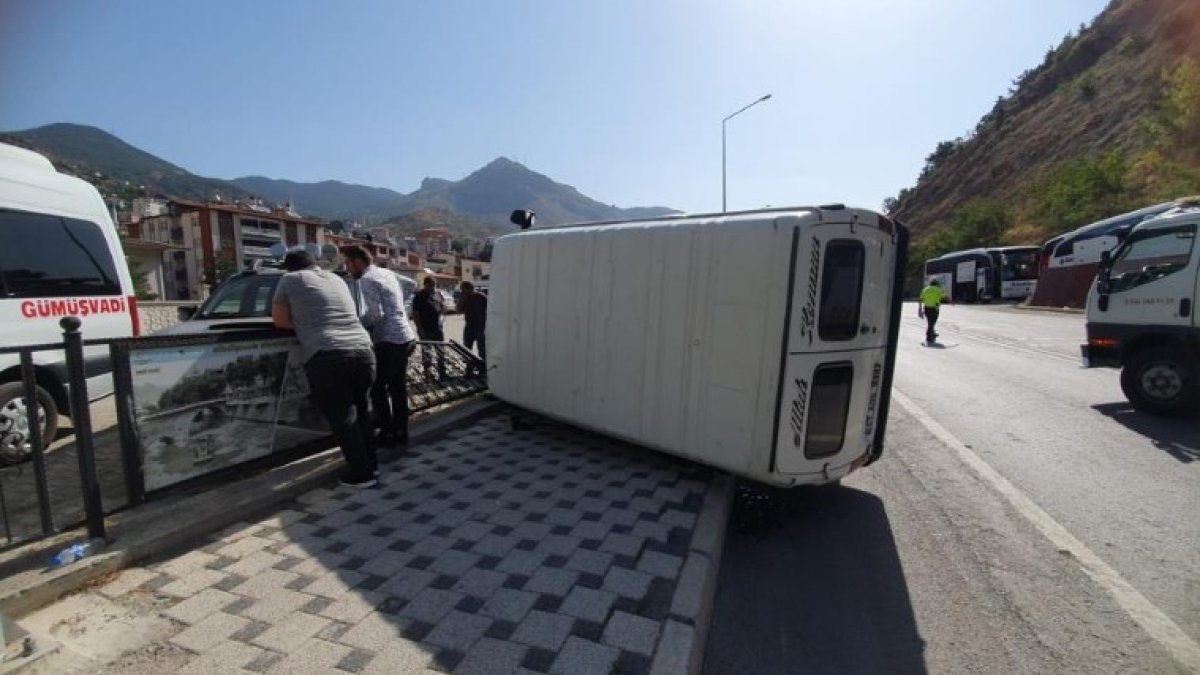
{"x":1108,"y":122}
{"x":482,"y":199}
{"x":489,"y":194}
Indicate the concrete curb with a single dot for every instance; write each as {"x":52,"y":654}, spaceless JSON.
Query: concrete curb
{"x":681,"y":647}
{"x":160,"y":527}
{"x":1052,"y":310}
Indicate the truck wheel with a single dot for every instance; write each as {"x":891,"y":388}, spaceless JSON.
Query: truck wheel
{"x":15,"y":443}
{"x":1159,"y":381}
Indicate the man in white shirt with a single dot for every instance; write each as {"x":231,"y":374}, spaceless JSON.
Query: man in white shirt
{"x":381,"y":309}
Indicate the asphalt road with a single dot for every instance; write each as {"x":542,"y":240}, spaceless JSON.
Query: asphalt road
{"x":934,"y":561}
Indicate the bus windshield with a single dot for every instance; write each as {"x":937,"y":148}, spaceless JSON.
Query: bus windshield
{"x":1019,"y":266}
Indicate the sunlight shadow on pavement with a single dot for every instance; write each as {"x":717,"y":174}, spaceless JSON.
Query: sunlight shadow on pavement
{"x":1180,"y":438}
{"x":827,"y":593}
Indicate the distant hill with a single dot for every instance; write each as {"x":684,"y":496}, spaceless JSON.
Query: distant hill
{"x":1108,"y":122}
{"x":487,"y":195}
{"x":329,"y":199}
{"x":115,"y":166}
{"x":480,"y":202}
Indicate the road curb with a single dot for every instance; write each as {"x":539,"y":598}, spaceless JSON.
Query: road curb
{"x":1052,"y":310}
{"x":681,"y":647}
{"x":161,"y":527}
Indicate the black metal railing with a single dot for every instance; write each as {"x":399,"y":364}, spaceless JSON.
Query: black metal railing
{"x":61,"y":485}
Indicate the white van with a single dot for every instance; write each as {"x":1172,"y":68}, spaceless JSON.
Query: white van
{"x":761,"y":342}
{"x":60,"y":255}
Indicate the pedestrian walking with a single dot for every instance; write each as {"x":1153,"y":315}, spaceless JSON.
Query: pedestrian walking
{"x":381,"y":310}
{"x":338,"y":357}
{"x":928,"y":307}
{"x":473,"y":306}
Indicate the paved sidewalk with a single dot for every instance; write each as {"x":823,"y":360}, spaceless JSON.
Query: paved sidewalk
{"x":490,"y":550}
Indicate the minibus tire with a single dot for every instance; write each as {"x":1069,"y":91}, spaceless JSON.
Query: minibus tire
{"x":14,"y":392}
{"x":1165,"y":360}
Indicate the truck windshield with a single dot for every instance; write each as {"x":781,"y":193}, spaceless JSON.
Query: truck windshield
{"x":1150,"y":256}
{"x":1019,"y":266}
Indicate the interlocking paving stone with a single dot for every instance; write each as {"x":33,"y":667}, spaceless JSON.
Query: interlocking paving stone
{"x":195,"y":581}
{"x":631,"y":632}
{"x":582,"y":657}
{"x":545,"y":550}
{"x":312,"y":656}
{"x":458,"y":630}
{"x":431,"y":604}
{"x":543,"y":630}
{"x":198,"y":607}
{"x":588,"y":604}
{"x":214,"y":629}
{"x":509,"y":605}
{"x":129,"y":580}
{"x":290,"y":633}
{"x":489,"y":657}
{"x":228,"y":656}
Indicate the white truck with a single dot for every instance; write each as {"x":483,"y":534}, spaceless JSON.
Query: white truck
{"x":1141,"y":313}
{"x":759,"y":342}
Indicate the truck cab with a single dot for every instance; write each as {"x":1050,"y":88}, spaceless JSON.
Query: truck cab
{"x":1141,"y":313}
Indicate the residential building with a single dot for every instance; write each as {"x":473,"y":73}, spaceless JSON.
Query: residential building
{"x":211,"y":240}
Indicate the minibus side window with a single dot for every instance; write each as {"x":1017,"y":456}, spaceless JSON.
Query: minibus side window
{"x":841,"y":290}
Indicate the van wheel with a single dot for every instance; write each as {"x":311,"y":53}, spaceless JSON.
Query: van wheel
{"x":15,"y":443}
{"x":1159,"y":381}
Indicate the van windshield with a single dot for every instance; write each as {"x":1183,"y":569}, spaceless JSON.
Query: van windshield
{"x":49,"y":256}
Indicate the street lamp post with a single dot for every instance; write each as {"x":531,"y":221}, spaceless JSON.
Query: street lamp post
{"x":727,"y":118}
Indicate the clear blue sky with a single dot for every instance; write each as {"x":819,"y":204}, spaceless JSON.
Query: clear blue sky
{"x":621,"y":98}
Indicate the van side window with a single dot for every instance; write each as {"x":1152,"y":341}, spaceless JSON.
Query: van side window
{"x":49,"y":256}
{"x":841,"y":290}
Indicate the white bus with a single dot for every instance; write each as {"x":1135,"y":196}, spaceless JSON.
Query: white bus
{"x":759,"y":342}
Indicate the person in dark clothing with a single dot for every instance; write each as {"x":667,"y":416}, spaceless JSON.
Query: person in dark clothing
{"x":339,"y":361}
{"x":428,"y":308}
{"x":381,"y":309}
{"x":473,"y":306}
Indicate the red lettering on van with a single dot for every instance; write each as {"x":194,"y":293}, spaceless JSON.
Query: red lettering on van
{"x":33,"y":309}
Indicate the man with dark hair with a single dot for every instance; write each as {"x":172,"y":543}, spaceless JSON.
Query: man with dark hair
{"x":381,"y":309}
{"x":338,"y":359}
{"x":473,"y":306}
{"x":428,"y":308}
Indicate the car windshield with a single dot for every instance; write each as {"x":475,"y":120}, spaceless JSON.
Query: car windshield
{"x":1151,"y":256}
{"x":1019,"y":266}
{"x":241,"y":297}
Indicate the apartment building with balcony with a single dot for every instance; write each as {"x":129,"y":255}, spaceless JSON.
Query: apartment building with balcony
{"x":208,"y":241}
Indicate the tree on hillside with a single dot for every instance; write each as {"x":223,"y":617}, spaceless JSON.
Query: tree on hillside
{"x":938,"y":157}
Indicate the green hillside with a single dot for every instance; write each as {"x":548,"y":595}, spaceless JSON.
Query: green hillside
{"x":1107,"y":123}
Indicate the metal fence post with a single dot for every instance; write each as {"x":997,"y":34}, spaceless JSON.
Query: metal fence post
{"x":131,"y":445}
{"x":37,"y":443}
{"x":81,"y":420}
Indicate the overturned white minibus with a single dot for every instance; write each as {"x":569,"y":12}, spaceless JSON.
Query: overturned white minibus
{"x":758,"y":342}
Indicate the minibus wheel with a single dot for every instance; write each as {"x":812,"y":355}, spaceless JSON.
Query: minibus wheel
{"x":16,"y":445}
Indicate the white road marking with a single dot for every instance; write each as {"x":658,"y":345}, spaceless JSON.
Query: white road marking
{"x":1157,"y":624}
